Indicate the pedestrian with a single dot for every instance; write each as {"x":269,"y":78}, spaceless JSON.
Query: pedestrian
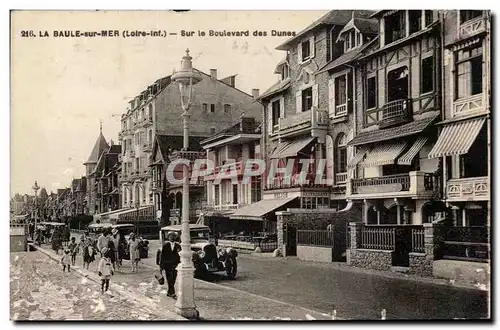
{"x":66,"y":259}
{"x":169,"y":260}
{"x":115,"y":240}
{"x":73,"y":247}
{"x":133,"y":248}
{"x":88,"y":253}
{"x":102,"y":241}
{"x":66,"y":235}
{"x":105,"y":269}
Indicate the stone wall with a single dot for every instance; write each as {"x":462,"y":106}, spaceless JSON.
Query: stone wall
{"x":371,"y":259}
{"x":420,"y":264}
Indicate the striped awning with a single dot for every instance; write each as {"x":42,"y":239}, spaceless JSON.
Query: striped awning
{"x":457,"y":138}
{"x":384,"y":154}
{"x":358,"y":157}
{"x":408,"y":156}
{"x":291,"y":148}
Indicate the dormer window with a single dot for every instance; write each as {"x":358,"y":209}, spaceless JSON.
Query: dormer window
{"x":415,"y":17}
{"x":306,"y":50}
{"x":285,"y":71}
{"x":352,"y":39}
{"x":395,"y":27}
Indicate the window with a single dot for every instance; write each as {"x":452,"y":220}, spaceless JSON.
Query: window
{"x":276,"y":112}
{"x":371,"y":93}
{"x":137,"y":163}
{"x":212,"y":108}
{"x":284,"y":71}
{"x":467,"y":15}
{"x":212,"y":130}
{"x":235,"y":194}
{"x":395,"y":27}
{"x":469,"y":74}
{"x":142,"y":113}
{"x":397,"y":84}
{"x":415,"y":17}
{"x":227,"y":108}
{"x":427,"y":77}
{"x":429,"y":17}
{"x":358,"y":39}
{"x":205,"y":107}
{"x":306,"y":50}
{"x":307,"y":99}
{"x":256,"y":189}
{"x":150,"y":137}
{"x":150,"y":111}
{"x":341,"y":154}
{"x":217,"y":194}
{"x":340,"y":90}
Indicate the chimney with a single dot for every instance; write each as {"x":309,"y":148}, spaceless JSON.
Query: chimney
{"x":213,"y":74}
{"x":255,"y":93}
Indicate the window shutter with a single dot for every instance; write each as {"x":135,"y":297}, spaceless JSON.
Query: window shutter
{"x":329,"y":158}
{"x":282,"y":107}
{"x":298,"y":101}
{"x":311,"y":46}
{"x":270,"y":118}
{"x":315,"y":95}
{"x":299,"y":53}
{"x":350,"y":155}
{"x":331,"y":97}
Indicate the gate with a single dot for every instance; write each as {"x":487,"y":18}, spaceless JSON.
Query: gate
{"x":403,"y":246}
{"x":290,"y":239}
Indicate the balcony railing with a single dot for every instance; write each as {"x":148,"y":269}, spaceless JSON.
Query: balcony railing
{"x":469,"y":104}
{"x":157,"y":184}
{"x":131,"y":153}
{"x":340,"y":178}
{"x":413,"y":183}
{"x":294,"y":182}
{"x":313,"y":118}
{"x":341,"y":109}
{"x":148,"y":121}
{"x":396,"y":112}
{"x":223,"y":207}
{"x":468,"y":188}
{"x":472,"y":27}
{"x":146,"y":147}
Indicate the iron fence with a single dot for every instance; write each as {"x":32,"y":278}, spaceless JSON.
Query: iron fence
{"x":417,"y":240}
{"x":378,"y":238}
{"x":315,"y":238}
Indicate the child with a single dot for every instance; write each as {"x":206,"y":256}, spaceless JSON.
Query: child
{"x":65,"y":260}
{"x":88,"y":254}
{"x":105,"y":269}
{"x":73,"y":247}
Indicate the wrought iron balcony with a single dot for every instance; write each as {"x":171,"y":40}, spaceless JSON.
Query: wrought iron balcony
{"x":396,"y":112}
{"x":466,"y":189}
{"x":148,"y":121}
{"x":147,"y":147}
{"x":412,"y":184}
{"x":472,"y":27}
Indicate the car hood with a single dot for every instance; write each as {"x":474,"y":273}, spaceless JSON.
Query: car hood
{"x":199,"y":245}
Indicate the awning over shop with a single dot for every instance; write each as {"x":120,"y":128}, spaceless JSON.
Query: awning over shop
{"x":457,"y":138}
{"x":408,"y":156}
{"x":257,"y":211}
{"x":384,"y":154}
{"x":358,"y":157}
{"x":291,"y":148}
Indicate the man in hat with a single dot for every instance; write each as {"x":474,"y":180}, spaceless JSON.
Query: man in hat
{"x":169,"y":260}
{"x":102,"y":241}
{"x":114,"y":242}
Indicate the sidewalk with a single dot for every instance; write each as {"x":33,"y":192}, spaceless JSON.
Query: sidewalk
{"x":214,"y":302}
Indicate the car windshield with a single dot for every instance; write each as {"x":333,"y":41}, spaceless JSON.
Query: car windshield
{"x":200,"y":234}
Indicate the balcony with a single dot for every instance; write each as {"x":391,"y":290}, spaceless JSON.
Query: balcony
{"x":131,"y":153}
{"x":238,"y":167}
{"x":468,"y":189}
{"x":413,"y":184}
{"x":223,"y":207}
{"x":472,"y":27}
{"x":157,"y":185}
{"x":147,"y":147}
{"x":392,"y":113}
{"x":315,"y":120}
{"x":294,"y":182}
{"x":148,"y":121}
{"x":340,"y":178}
{"x":120,"y":158}
{"x":467,"y":105}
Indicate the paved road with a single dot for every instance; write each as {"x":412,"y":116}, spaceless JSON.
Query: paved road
{"x":353,"y":295}
{"x":40,"y":290}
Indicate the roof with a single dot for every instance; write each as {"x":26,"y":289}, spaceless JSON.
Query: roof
{"x":414,"y":127}
{"x":250,"y":127}
{"x":280,"y":86}
{"x":365,"y":26}
{"x":346,"y":57}
{"x":115,"y":149}
{"x":333,"y":17}
{"x":192,"y":226}
{"x":175,"y":142}
{"x":100,"y":146}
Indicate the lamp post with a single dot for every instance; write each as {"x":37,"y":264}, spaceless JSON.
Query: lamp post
{"x":185,"y":305}
{"x":35,"y":188}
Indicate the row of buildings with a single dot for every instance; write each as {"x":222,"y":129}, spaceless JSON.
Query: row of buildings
{"x":396,"y":101}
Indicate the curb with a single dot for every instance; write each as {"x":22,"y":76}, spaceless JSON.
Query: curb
{"x":115,"y":287}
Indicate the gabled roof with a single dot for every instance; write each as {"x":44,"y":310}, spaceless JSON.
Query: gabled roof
{"x":279,"y":87}
{"x":100,"y":146}
{"x":250,"y":128}
{"x":333,"y":17}
{"x":363,"y":25}
{"x":167,"y":143}
{"x":347,"y":57}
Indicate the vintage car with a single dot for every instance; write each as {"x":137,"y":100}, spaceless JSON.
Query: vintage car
{"x":207,"y":257}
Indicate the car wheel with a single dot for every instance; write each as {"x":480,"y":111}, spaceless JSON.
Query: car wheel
{"x":231,"y":268}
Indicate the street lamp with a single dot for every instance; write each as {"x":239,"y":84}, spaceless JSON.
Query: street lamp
{"x":35,"y":188}
{"x":185,"y":305}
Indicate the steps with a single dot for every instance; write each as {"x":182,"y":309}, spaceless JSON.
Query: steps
{"x":399,"y":269}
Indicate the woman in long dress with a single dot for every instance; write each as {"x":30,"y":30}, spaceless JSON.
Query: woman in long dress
{"x":133,"y":247}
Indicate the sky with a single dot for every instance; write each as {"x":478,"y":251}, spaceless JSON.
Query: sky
{"x":62,"y":87}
